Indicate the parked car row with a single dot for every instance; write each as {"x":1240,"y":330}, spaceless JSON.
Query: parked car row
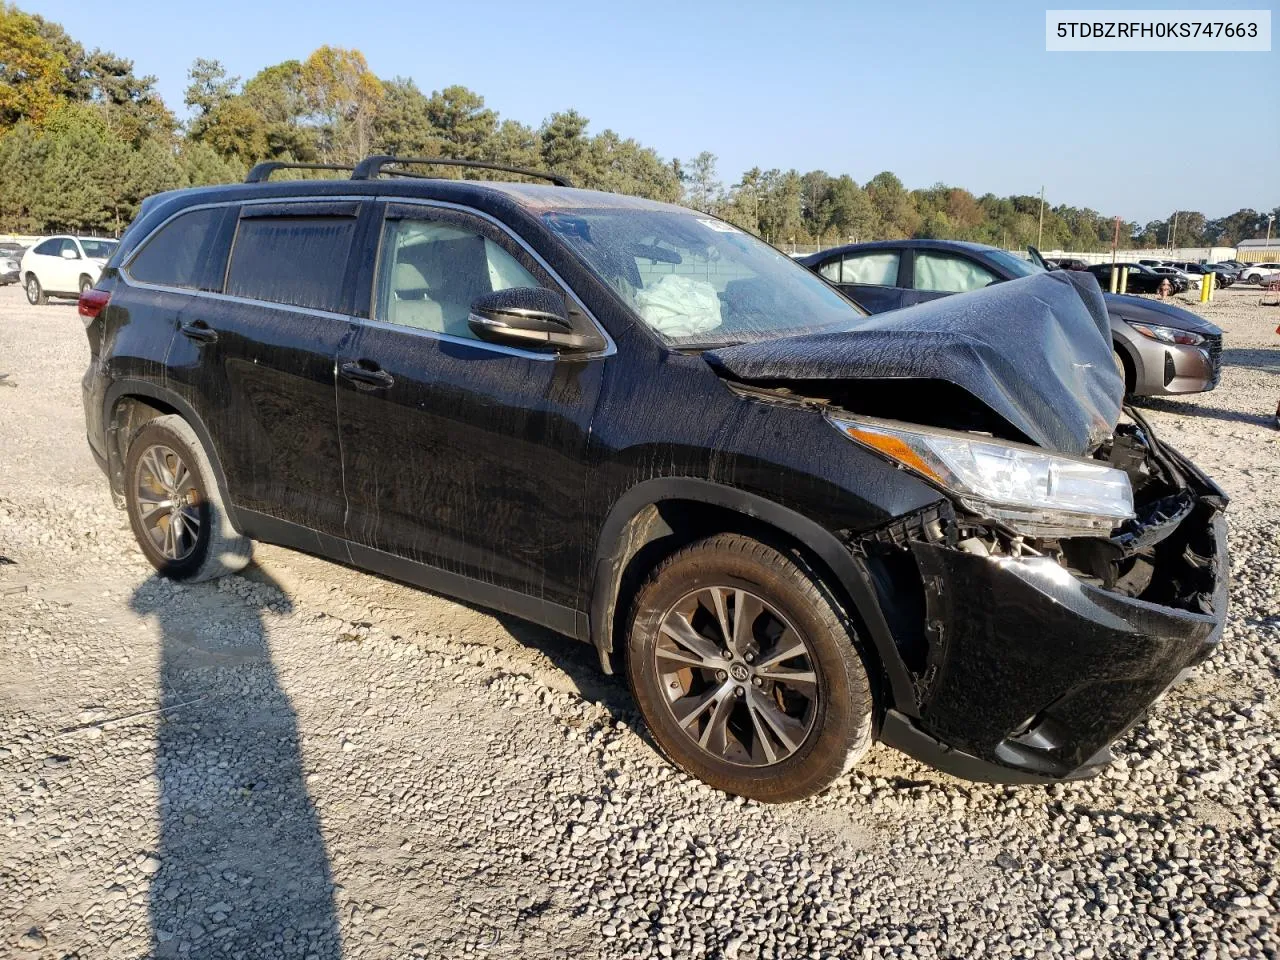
{"x":1141,"y":279}
{"x":796,"y":527}
{"x":63,"y":266}
{"x":1159,"y":348}
{"x":1191,"y":273}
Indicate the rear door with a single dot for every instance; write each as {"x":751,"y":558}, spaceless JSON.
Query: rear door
{"x":871,"y":277}
{"x":67,"y":267}
{"x":258,"y":360}
{"x":939,"y":273}
{"x":461,"y":454}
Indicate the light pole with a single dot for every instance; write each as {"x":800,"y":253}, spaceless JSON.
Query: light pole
{"x":1040,"y":229}
{"x":1270,"y":219}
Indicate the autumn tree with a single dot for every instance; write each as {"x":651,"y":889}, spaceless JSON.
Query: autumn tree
{"x":341,"y":96}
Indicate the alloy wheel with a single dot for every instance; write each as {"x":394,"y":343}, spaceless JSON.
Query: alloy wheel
{"x":33,"y":289}
{"x":168,"y":502}
{"x":738,"y":678}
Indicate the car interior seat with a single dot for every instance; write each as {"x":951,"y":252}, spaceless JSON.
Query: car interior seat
{"x":410,"y":305}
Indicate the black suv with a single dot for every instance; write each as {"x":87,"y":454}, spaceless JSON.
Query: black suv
{"x":796,"y":527}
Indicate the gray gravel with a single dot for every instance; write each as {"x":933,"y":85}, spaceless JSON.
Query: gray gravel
{"x":305,"y":761}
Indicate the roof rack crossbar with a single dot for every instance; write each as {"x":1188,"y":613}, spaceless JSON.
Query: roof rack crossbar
{"x":370,"y":167}
{"x":262,"y":172}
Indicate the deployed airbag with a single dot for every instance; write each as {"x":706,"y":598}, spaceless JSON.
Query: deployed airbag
{"x":1036,"y":351}
{"x":679,"y":306}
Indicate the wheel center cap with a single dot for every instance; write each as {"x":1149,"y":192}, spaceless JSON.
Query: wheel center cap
{"x":739,"y":672}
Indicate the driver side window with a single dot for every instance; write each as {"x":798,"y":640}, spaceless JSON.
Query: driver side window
{"x":432,"y":271}
{"x":946,"y":273}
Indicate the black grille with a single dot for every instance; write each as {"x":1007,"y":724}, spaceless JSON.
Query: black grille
{"x":1214,"y":344}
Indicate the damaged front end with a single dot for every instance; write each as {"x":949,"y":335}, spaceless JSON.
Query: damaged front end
{"x":1031,"y":648}
{"x":1072,"y":567}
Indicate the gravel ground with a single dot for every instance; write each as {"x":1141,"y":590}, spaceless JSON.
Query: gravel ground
{"x":306,"y":761}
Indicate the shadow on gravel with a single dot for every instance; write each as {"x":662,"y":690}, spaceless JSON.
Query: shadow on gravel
{"x":1182,"y":408}
{"x":1263,"y":358}
{"x":242,"y":869}
{"x":578,"y":660}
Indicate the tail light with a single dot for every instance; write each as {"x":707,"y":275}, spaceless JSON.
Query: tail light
{"x":91,"y":304}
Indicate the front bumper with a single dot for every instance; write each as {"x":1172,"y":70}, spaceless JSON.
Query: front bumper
{"x":1032,"y":672}
{"x":8,"y":277}
{"x":1169,"y":369}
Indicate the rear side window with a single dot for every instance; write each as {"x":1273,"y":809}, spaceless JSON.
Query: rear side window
{"x":190,"y":251}
{"x":50,"y":248}
{"x":300,"y":261}
{"x":873,"y":269}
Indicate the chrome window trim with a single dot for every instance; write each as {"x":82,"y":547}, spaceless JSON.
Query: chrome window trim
{"x":609,"y":350}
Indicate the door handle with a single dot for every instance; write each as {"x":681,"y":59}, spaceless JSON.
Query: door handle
{"x":366,"y":372}
{"x":198,"y":331}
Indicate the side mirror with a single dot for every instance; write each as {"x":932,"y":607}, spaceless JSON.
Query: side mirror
{"x":528,"y":317}
{"x":69,"y":254}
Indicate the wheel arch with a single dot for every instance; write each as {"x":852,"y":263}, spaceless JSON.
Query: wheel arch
{"x":1129,"y":362}
{"x":656,"y":517}
{"x":131,"y":403}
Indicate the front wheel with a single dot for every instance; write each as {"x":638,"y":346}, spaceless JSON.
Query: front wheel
{"x":174,"y":506}
{"x":35,"y":293}
{"x":746,"y":671}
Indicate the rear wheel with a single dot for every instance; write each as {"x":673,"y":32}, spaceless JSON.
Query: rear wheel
{"x":35,"y":293}
{"x":174,"y":506}
{"x":86,"y":283}
{"x":746,"y":672}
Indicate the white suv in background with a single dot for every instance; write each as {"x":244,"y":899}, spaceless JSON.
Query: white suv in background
{"x":64,"y":266}
{"x":1260,"y":273}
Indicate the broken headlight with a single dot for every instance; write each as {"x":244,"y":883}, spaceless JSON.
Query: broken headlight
{"x":1037,"y":493}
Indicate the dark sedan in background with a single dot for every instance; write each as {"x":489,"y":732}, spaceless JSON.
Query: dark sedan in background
{"x":1070,"y":263}
{"x":1141,"y":279}
{"x":1162,"y":349}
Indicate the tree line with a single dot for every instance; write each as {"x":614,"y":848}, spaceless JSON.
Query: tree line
{"x":83,"y":140}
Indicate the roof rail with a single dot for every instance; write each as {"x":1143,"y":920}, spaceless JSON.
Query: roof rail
{"x":370,"y":167}
{"x":262,"y":172}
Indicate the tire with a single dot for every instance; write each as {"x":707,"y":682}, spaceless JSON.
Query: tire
{"x":820,"y":699}
{"x":204,"y":544}
{"x":35,"y":293}
{"x":1120,"y":369}
{"x":86,"y":283}
{"x":1254,"y":278}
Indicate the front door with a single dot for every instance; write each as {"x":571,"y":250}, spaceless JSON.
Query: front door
{"x":460,"y":454}
{"x":937,"y":273}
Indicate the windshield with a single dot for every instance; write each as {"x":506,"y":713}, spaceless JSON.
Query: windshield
{"x":1015,"y":265}
{"x":696,"y":281}
{"x":96,"y":249}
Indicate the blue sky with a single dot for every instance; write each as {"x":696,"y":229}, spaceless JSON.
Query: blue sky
{"x":959,"y":93}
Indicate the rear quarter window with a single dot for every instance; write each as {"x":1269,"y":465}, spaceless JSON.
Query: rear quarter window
{"x":190,"y":251}
{"x":299,"y":260}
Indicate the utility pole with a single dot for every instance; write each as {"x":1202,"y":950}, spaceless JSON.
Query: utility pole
{"x":1270,"y":219}
{"x":1173,"y":232}
{"x":1040,"y":231}
{"x":1115,"y":243}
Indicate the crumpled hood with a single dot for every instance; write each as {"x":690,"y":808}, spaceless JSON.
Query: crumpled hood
{"x":1158,"y":311}
{"x":1036,"y":351}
